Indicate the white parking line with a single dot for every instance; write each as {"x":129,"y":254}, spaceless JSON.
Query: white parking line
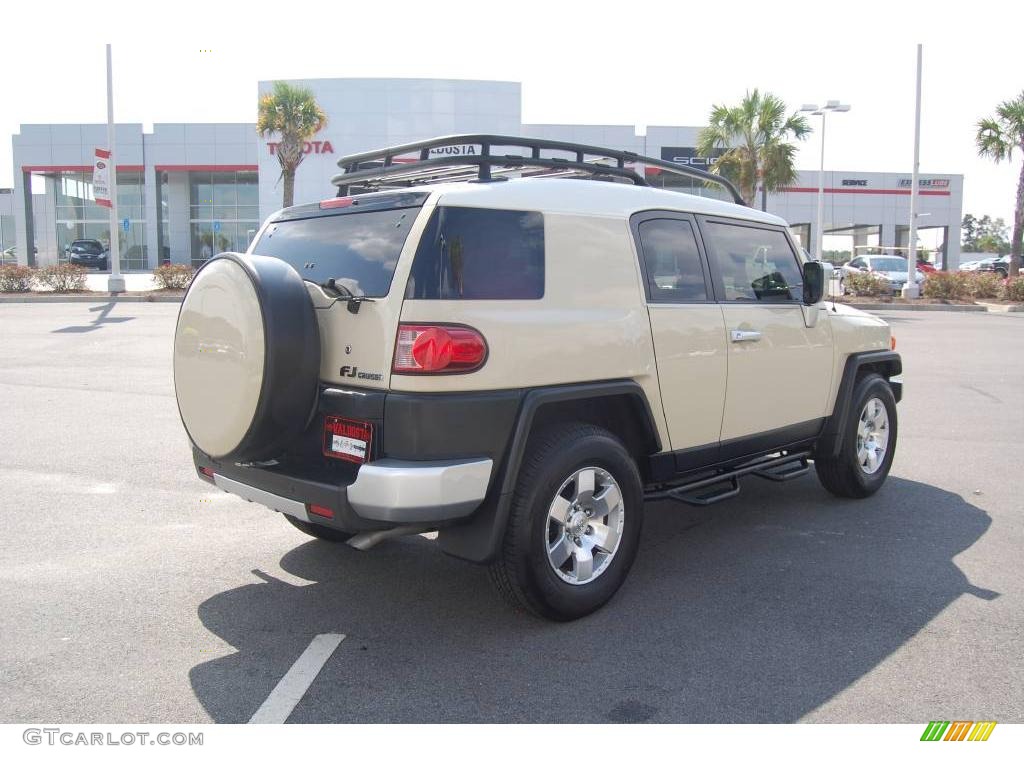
{"x":293,"y":686}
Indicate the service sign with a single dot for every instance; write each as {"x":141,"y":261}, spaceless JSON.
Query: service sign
{"x":101,"y":178}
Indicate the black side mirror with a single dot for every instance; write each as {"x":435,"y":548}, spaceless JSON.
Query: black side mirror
{"x":814,"y":282}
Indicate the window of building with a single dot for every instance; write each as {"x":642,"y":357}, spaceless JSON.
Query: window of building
{"x":755,"y":264}
{"x":79,"y":217}
{"x":478,"y":253}
{"x":224,"y":212}
{"x":672,"y":263}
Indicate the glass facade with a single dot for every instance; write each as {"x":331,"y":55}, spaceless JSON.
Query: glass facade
{"x":7,"y":254}
{"x":224,"y":212}
{"x":78,"y":215}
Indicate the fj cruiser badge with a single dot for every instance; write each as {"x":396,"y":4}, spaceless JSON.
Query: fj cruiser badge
{"x":353,"y":372}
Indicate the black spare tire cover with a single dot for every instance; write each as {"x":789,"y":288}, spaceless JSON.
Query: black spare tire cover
{"x":246,"y":357}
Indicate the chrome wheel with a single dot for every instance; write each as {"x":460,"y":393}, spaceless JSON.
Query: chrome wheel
{"x":872,"y":436}
{"x":584,"y":527}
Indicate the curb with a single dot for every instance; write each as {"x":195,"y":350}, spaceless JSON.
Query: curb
{"x":1002,"y":307}
{"x":91,"y":298}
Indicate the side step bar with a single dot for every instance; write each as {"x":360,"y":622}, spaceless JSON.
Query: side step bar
{"x":726,"y":485}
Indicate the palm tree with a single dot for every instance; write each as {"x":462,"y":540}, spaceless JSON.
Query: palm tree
{"x":292,"y":113}
{"x":753,"y":141}
{"x":997,"y":138}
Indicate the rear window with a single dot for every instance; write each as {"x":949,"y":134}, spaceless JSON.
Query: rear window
{"x":479,"y":253}
{"x":359,"y":250}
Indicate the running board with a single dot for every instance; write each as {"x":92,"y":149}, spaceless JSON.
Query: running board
{"x":726,"y":485}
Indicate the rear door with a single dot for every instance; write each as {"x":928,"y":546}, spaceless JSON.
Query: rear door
{"x":780,"y":369}
{"x":688,"y":331}
{"x":358,"y":244}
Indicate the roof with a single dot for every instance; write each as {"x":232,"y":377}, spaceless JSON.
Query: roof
{"x":586,"y":197}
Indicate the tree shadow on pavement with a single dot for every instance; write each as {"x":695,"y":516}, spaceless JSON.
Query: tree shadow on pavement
{"x":757,"y":610}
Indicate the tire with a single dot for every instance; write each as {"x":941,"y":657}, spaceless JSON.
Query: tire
{"x":845,"y":475}
{"x":319,"y":531}
{"x":568,"y":457}
{"x":1003,"y":274}
{"x":246,"y":357}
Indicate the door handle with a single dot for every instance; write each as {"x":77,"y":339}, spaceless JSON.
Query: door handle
{"x":745,"y":335}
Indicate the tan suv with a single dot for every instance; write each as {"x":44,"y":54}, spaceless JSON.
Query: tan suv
{"x":517,"y":348}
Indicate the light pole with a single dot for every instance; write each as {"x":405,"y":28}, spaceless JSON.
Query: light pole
{"x":830,"y":106}
{"x":115,"y":282}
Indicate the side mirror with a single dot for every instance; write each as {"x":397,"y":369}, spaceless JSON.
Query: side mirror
{"x":814,"y":282}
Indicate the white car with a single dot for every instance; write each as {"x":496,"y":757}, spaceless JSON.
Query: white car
{"x":892,"y":268}
{"x":974,"y":266}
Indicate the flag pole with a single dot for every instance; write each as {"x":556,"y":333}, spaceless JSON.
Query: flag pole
{"x":115,"y":283}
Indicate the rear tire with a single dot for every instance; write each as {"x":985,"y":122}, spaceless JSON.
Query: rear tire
{"x":863,"y":462}
{"x":578,"y":502}
{"x":319,"y":531}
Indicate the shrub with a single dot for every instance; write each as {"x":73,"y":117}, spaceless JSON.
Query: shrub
{"x":946,"y":285}
{"x":1013,"y":289}
{"x":984,"y":285}
{"x":176,"y":276}
{"x":867,"y":284}
{"x":62,"y":278}
{"x":14,"y":278}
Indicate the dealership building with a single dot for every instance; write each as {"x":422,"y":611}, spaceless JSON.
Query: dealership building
{"x":189,"y":190}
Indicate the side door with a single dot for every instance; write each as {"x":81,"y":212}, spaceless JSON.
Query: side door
{"x":780,"y":360}
{"x":688,"y":330}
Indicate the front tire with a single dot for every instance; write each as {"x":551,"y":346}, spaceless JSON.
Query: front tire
{"x":868,"y":442}
{"x":574,"y":526}
{"x":319,"y":531}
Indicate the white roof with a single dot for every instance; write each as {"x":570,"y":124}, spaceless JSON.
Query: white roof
{"x":586,"y":197}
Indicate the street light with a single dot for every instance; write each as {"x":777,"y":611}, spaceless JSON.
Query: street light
{"x":830,"y":106}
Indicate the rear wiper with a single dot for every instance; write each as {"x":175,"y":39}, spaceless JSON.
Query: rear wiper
{"x":339,"y":291}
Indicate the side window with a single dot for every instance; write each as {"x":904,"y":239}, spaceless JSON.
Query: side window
{"x":671,"y":261}
{"x":479,"y":253}
{"x":857,"y":263}
{"x":755,"y":264}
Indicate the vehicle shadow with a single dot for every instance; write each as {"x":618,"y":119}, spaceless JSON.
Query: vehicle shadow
{"x":756,"y":610}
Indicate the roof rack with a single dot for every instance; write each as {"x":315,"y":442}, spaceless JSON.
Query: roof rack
{"x":407,"y":165}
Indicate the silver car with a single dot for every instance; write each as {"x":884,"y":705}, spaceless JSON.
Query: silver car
{"x":892,"y":268}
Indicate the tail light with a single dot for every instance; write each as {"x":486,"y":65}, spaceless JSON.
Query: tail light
{"x":438,"y":349}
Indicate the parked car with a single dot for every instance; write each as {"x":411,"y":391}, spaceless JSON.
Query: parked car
{"x":892,"y":268}
{"x":520,"y":363}
{"x":976,"y":265}
{"x":1000,"y":266}
{"x":88,"y":253}
{"x":926,"y":267}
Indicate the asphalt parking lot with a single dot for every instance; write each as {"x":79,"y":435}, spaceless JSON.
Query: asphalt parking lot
{"x":132,"y":592}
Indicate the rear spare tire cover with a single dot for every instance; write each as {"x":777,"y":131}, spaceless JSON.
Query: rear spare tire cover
{"x":246,"y":357}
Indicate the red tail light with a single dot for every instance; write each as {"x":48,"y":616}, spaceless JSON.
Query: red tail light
{"x":337,"y":202}
{"x":438,"y":349}
{"x":316,"y":509}
{"x":206,"y":472}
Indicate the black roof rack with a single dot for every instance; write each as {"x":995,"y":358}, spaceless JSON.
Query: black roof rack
{"x":407,"y":165}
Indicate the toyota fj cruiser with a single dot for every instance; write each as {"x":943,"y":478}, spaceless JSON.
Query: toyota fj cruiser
{"x":517,"y":349}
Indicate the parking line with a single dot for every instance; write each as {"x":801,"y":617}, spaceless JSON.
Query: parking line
{"x":293,"y":686}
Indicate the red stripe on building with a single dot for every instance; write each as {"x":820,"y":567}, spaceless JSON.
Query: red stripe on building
{"x":861,"y":191}
{"x":73,"y":168}
{"x":177,"y":168}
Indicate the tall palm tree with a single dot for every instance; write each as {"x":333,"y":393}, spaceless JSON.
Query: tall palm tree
{"x":997,"y":138}
{"x":753,"y":139}
{"x":292,"y":113}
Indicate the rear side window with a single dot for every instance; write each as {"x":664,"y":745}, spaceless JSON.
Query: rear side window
{"x":671,"y":261}
{"x":755,"y":264}
{"x":359,"y":250}
{"x":479,"y":253}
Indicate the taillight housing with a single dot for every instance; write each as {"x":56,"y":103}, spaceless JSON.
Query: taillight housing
{"x":425,"y":349}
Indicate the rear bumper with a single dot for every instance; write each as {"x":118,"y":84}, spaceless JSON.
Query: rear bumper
{"x":382,"y":494}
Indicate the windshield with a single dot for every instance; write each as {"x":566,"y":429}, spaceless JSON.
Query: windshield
{"x":93,"y":249}
{"x":358,"y":250}
{"x":889,"y":264}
